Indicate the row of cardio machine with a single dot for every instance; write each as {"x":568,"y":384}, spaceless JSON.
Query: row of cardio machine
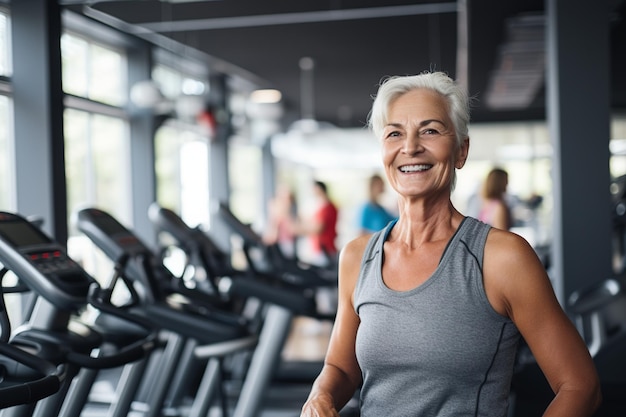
{"x":176,"y":343}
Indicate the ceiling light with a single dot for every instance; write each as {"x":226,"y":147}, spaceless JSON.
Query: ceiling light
{"x":267,"y":96}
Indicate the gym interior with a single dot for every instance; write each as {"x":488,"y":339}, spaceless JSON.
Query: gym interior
{"x":139,"y":151}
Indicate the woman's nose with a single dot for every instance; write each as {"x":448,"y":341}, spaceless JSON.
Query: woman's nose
{"x":412,"y":145}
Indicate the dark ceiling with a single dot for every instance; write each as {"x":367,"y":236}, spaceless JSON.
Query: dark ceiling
{"x":355,"y":43}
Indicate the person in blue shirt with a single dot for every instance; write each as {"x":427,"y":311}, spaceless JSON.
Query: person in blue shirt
{"x":373,"y":216}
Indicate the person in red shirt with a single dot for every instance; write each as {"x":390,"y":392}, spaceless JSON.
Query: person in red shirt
{"x":322,"y":227}
{"x":325,"y":222}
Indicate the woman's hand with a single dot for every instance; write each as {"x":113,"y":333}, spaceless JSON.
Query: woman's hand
{"x":319,"y":406}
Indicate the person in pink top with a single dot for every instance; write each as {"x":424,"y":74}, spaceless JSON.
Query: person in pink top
{"x":494,"y":209}
{"x":281,"y":224}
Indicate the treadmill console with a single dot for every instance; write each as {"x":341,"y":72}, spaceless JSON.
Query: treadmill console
{"x":41,"y":263}
{"x":109,"y":234}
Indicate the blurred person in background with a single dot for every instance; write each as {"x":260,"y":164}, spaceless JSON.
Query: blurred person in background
{"x":321,"y":227}
{"x":282,"y":222}
{"x":373,"y":216}
{"x":494,"y":208}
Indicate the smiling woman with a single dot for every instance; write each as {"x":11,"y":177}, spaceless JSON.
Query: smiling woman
{"x":454,"y":294}
{"x":419,"y":141}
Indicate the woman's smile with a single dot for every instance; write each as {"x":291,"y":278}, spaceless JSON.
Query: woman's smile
{"x":407,"y":169}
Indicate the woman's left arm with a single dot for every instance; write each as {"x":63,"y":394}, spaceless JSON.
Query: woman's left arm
{"x":517,"y":286}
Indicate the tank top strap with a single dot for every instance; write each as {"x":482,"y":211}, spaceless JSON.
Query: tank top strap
{"x":372,"y":257}
{"x":375,"y":243}
{"x":473,"y":234}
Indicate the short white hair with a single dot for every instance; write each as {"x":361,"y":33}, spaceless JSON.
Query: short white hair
{"x":393,"y":87}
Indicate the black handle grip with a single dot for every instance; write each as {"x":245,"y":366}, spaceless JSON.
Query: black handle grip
{"x":128,"y":354}
{"x":595,"y":297}
{"x":99,"y":298}
{"x":28,"y":392}
{"x":295,"y":301}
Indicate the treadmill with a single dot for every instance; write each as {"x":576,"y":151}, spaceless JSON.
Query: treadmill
{"x":26,"y":378}
{"x":55,"y":332}
{"x":203,"y":254}
{"x":143,"y":267}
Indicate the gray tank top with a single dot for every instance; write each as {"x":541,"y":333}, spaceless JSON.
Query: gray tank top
{"x":439,"y":349}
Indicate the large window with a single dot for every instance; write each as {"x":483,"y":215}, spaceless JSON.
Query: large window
{"x":181,"y":145}
{"x":244,"y":171}
{"x":6,"y":162}
{"x":93,"y":71}
{"x":96,"y":148}
{"x":96,"y":139}
{"x":618,"y":146}
{"x":182,"y":171}
{"x":96,"y":134}
{"x":5,"y":44}
{"x":6,"y":117}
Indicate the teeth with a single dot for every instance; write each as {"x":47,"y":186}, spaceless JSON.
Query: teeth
{"x":415,"y":168}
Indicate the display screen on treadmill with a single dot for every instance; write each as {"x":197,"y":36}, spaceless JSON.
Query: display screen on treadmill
{"x":110,"y":226}
{"x":22,"y":234}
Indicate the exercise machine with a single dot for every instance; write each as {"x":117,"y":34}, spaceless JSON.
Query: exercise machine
{"x":56,"y":330}
{"x":269,"y":259}
{"x":26,"y":378}
{"x":143,"y":267}
{"x":202,"y":254}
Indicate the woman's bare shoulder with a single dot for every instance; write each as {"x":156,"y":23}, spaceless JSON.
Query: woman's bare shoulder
{"x":506,"y":246}
{"x":353,"y":250}
{"x":513,"y":271}
{"x":350,"y":260}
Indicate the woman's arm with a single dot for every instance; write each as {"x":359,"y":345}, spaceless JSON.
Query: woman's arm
{"x":518,"y":287}
{"x":341,"y":375}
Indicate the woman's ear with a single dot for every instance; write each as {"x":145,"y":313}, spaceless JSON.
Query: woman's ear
{"x":462,"y":153}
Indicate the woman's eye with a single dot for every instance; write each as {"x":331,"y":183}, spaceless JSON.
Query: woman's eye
{"x":393,"y":135}
{"x":428,"y":132}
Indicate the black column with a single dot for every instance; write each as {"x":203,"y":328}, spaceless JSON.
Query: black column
{"x":579,"y":120}
{"x":143,"y":127}
{"x":219,"y":180}
{"x":38,"y":101}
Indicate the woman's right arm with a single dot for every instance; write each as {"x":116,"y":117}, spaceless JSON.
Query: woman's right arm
{"x":341,"y":375}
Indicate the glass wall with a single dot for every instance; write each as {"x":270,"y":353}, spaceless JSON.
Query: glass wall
{"x":618,"y":190}
{"x":6,"y":117}
{"x":96,"y":139}
{"x":96,"y":136}
{"x":182,"y":172}
{"x":6,"y":161}
{"x":93,"y":71}
{"x":5,"y":43}
{"x":618,"y":146}
{"x":96,"y":149}
{"x":182,"y":145}
{"x":246,"y":184}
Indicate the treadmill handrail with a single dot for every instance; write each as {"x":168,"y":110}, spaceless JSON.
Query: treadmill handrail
{"x":592,"y":298}
{"x":28,"y":392}
{"x":293,"y":271}
{"x":14,"y":254}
